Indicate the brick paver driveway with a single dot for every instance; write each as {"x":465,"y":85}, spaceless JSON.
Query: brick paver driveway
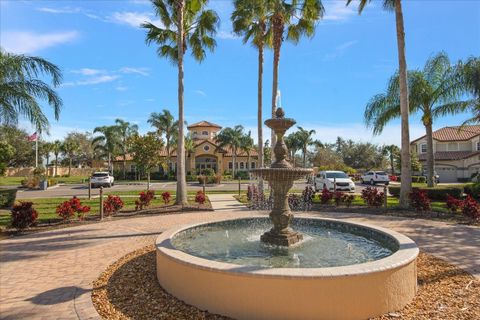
{"x":49,"y":275}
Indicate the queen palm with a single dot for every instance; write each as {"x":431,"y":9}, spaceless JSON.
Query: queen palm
{"x":126,"y":131}
{"x":231,"y":138}
{"x":293,"y":144}
{"x":166,"y":125}
{"x":469,"y":73}
{"x":391,"y":151}
{"x":56,"y":149}
{"x":434,"y":91}
{"x":406,"y":174}
{"x":305,"y":140}
{"x":21,"y":88}
{"x":250,"y":19}
{"x":247,"y":145}
{"x":290,"y":21}
{"x":46,"y":148}
{"x":69,"y":149}
{"x":107,"y":142}
{"x":185,"y":24}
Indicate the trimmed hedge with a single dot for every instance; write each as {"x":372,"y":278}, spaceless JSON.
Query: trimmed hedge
{"x":439,"y":194}
{"x":419,"y":179}
{"x":7,"y":197}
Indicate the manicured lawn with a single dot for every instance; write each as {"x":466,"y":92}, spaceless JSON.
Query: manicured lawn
{"x":16,"y":181}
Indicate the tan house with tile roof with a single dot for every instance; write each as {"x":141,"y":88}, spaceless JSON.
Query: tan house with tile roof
{"x":456,"y":152}
{"x":207,"y":154}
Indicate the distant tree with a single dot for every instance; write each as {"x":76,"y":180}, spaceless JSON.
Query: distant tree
{"x":83,"y":140}
{"x":20,"y":88}
{"x":6,"y":154}
{"x":126,"y":130}
{"x":247,"y":145}
{"x":267,"y":153}
{"x":165,"y":124}
{"x":469,"y":73}
{"x":305,"y":139}
{"x":231,"y":138}
{"x":56,"y":149}
{"x":189,"y":145}
{"x":69,"y":149}
{"x":293,"y":144}
{"x":146,"y":152}
{"x":391,"y":151}
{"x":107,"y":143}
{"x":415,"y":164}
{"x":46,"y":149}
{"x":24,"y":155}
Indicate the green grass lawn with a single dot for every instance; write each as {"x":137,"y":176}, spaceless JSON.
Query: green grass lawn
{"x":16,"y":181}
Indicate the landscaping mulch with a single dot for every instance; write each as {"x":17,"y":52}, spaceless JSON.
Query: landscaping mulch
{"x":128,"y":289}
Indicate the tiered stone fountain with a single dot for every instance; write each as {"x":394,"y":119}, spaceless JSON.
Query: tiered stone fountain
{"x":281,"y":176}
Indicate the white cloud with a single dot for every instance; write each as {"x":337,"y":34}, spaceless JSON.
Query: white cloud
{"x":30,"y":42}
{"x":339,"y":50}
{"x":88,"y":71}
{"x":121,"y":88}
{"x":338,"y":11}
{"x":60,"y":10}
{"x":133,"y":19}
{"x":141,"y":71}
{"x":91,"y":81}
{"x":200,"y":92}
{"x":142,"y":2}
{"x":226,"y":35}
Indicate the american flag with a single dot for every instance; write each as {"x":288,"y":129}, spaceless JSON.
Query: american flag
{"x":33,"y":137}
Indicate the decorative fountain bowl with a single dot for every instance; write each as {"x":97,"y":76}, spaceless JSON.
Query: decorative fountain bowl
{"x":307,"y":268}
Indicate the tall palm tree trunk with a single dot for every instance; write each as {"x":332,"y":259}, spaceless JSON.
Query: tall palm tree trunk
{"x":56,"y":164}
{"x":430,"y":157}
{"x":391,"y":163}
{"x":277,"y":43}
{"x":181,"y":197}
{"x":259,"y":113}
{"x":124,"y":166}
{"x":406,"y":175}
{"x":167,"y":137}
{"x":234,"y":159}
{"x":69,"y":165}
{"x":110,"y":162}
{"x":304,"y":158}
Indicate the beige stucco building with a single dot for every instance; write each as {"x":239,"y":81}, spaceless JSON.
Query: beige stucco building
{"x":207,"y":155}
{"x":456,"y":152}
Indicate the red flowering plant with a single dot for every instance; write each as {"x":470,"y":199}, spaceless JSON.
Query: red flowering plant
{"x":325,"y":196}
{"x":67,"y":209}
{"x":372,"y":197}
{"x":23,"y":215}
{"x":453,"y":204}
{"x":419,"y":200}
{"x":112,"y":205}
{"x":338,"y":197}
{"x":471,"y":208}
{"x":144,"y":199}
{"x":200,"y":198}
{"x":166,"y":196}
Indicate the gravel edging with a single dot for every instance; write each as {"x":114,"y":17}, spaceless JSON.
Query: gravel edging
{"x":128,"y":289}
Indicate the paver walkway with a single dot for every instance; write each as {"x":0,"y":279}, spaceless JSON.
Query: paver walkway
{"x":49,"y":275}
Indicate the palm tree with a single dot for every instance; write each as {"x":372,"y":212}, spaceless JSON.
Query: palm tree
{"x":434,"y":91}
{"x":250,"y":19}
{"x":69,"y":149}
{"x":247,"y":145}
{"x":185,"y":23}
{"x":305,"y":140}
{"x":56,"y":149}
{"x":406,"y":174}
{"x":107,"y":143}
{"x":391,"y":151}
{"x":232,"y":138}
{"x":20,"y":89}
{"x":469,"y":74}
{"x":126,"y":131}
{"x":165,"y":124}
{"x":189,"y":145}
{"x":293,"y":145}
{"x":46,"y":148}
{"x":290,"y":21}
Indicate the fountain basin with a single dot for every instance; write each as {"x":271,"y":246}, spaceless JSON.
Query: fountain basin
{"x":356,"y":291}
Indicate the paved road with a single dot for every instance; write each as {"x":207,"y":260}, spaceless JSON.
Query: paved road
{"x":81,"y":190}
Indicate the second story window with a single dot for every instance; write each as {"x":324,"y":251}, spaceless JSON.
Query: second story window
{"x":423,"y":148}
{"x":478,"y":146}
{"x":205,"y":133}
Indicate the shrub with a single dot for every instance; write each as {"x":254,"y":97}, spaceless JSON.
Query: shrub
{"x":192,"y":177}
{"x":112,"y":204}
{"x":31,"y":182}
{"x":7,"y":197}
{"x":473,"y":190}
{"x":348,"y":199}
{"x":200,"y":197}
{"x":419,"y":200}
{"x":419,"y":179}
{"x":453,"y":204}
{"x":325,"y":196}
{"x":68,"y":209}
{"x":166,"y":196}
{"x":202,"y":179}
{"x":23,"y":215}
{"x":217,"y":179}
{"x":338,"y":198}
{"x":293,"y":201}
{"x":39,"y":171}
{"x":52,"y":182}
{"x":471,"y":208}
{"x":144,"y":199}
{"x":372,"y":197}
{"x":208,"y":172}
{"x":243,"y":175}
{"x":436,"y":194}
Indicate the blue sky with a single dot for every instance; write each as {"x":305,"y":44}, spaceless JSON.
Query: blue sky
{"x":109,"y":71}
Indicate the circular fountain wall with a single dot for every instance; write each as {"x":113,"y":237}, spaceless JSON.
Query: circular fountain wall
{"x":340,"y":270}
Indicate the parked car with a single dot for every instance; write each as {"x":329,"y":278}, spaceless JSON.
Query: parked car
{"x":104,"y":179}
{"x":333,"y":180}
{"x":435,"y":176}
{"x":374,"y":177}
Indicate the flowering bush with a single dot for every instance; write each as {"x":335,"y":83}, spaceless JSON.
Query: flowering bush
{"x":67,"y":209}
{"x":307,"y":195}
{"x":338,"y":197}
{"x":372,"y":197}
{"x":393,"y":177}
{"x":453,"y":204}
{"x":471,"y":208}
{"x":325,"y":196}
{"x":293,"y":201}
{"x":112,"y":204}
{"x":144,"y":199}
{"x":419,"y":200}
{"x":166,"y":196}
{"x":348,"y":199}
{"x":23,"y":215}
{"x":200,"y":197}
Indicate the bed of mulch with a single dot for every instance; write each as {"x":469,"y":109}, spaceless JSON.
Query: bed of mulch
{"x":128,"y":289}
{"x":55,"y":224}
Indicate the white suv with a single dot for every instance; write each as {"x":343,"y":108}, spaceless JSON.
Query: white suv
{"x":374,"y":177}
{"x":327,"y":179}
{"x":101,"y":179}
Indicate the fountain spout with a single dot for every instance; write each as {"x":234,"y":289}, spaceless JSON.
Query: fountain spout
{"x":281,"y":176}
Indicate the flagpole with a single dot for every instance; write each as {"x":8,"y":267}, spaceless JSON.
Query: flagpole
{"x":36,"y":152}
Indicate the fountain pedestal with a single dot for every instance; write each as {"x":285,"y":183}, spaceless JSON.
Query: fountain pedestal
{"x":281,"y":175}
